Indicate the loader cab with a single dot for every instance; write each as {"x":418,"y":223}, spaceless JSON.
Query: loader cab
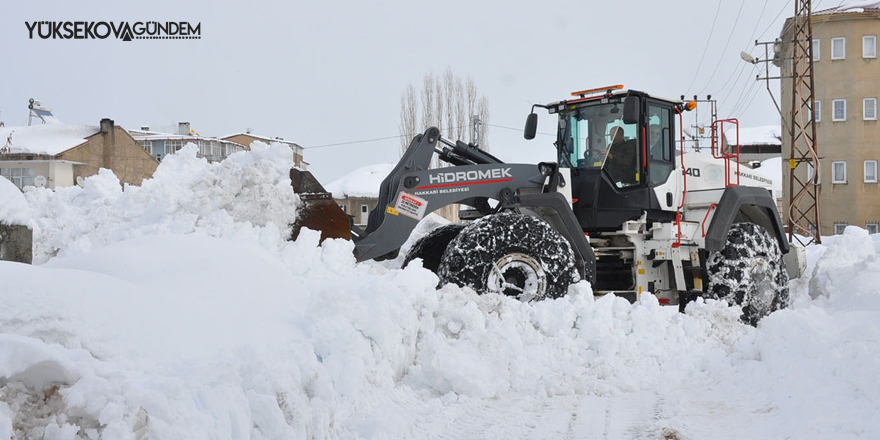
{"x":619,"y":147}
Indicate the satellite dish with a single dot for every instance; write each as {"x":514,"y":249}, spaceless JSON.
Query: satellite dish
{"x":80,"y":181}
{"x":40,"y":181}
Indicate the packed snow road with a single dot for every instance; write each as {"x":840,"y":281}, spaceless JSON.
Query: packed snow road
{"x":178,"y":310}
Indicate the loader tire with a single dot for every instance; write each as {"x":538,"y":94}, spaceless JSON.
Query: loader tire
{"x":512,"y":254}
{"x":749,"y":272}
{"x":431,"y":247}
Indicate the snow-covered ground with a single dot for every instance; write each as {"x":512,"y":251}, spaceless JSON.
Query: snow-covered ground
{"x":177,"y":310}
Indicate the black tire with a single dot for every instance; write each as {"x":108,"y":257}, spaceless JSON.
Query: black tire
{"x":749,"y":272}
{"x":513,"y":254}
{"x":431,"y":247}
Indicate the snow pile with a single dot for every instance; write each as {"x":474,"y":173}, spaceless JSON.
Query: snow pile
{"x":362,"y":182}
{"x":178,"y":311}
{"x":247,"y":195}
{"x":14,"y":209}
{"x":48,"y":139}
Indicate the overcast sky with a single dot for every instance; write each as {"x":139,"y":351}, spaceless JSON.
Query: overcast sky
{"x":332,"y":72}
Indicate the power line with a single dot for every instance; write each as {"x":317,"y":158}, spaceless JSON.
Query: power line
{"x":772,"y":22}
{"x":363,"y":141}
{"x":517,"y":129}
{"x":697,"y":72}
{"x":723,"y":51}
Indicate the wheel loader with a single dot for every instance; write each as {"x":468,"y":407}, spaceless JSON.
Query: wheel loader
{"x":623,"y":208}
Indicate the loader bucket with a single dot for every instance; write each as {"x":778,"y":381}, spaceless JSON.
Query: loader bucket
{"x":317,"y":211}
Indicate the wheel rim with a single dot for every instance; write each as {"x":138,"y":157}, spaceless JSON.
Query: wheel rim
{"x":518,"y":275}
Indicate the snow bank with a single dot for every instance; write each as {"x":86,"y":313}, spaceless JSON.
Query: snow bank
{"x":179,"y":311}
{"x":14,"y":209}
{"x":246,"y":195}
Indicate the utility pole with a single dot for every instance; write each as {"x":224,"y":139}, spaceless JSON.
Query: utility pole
{"x":799,"y":124}
{"x":803,"y":200}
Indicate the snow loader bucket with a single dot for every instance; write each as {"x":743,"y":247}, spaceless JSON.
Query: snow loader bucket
{"x":317,"y":210}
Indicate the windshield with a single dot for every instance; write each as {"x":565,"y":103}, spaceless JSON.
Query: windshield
{"x":585,"y":133}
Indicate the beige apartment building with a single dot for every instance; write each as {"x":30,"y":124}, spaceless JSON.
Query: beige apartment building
{"x":846,"y":74}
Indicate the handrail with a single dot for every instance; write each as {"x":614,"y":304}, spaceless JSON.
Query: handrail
{"x":681,"y":154}
{"x":719,"y":153}
{"x":703,"y":226}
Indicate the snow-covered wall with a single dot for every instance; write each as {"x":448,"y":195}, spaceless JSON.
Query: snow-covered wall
{"x":14,"y":209}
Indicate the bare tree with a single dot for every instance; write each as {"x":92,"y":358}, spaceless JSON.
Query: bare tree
{"x":448,"y":103}
{"x":471,"y":90}
{"x":409,"y":115}
{"x":428,"y":118}
{"x":438,"y":115}
{"x":449,"y":97}
{"x":461,"y":118}
{"x":483,"y":112}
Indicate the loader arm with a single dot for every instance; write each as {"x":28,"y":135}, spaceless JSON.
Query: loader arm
{"x":412,"y":190}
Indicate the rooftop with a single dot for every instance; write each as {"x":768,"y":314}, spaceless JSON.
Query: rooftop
{"x":49,"y":139}
{"x":853,"y":6}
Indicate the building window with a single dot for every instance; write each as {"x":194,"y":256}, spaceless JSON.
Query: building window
{"x":872,"y":228}
{"x":838,"y":172}
{"x":21,"y":177}
{"x":870,"y":109}
{"x":818,"y":114}
{"x":838,"y":112}
{"x":838,"y":48}
{"x":871,"y":171}
{"x":344,"y":208}
{"x":869,"y":46}
{"x":839,"y":228}
{"x":809,"y":172}
{"x":816,"y":50}
{"x":172,"y":147}
{"x":148,"y":146}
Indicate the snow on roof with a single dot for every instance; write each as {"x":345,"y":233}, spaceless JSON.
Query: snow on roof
{"x":51,"y":139}
{"x":262,"y":138}
{"x":362,"y":182}
{"x":766,"y":135}
{"x":854,"y":6}
{"x":14,"y":209}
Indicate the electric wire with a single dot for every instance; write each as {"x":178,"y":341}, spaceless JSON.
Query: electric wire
{"x":742,"y":66}
{"x":708,"y":40}
{"x":518,"y":129}
{"x":723,"y":51}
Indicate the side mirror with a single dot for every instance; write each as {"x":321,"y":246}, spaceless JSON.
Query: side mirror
{"x":631,"y":110}
{"x":531,"y":126}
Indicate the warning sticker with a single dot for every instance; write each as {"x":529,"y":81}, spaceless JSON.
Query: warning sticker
{"x":411,"y":205}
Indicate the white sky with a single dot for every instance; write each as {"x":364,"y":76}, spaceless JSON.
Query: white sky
{"x":332,"y":72}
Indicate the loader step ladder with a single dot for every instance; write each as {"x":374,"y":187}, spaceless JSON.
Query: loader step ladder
{"x":721,"y":149}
